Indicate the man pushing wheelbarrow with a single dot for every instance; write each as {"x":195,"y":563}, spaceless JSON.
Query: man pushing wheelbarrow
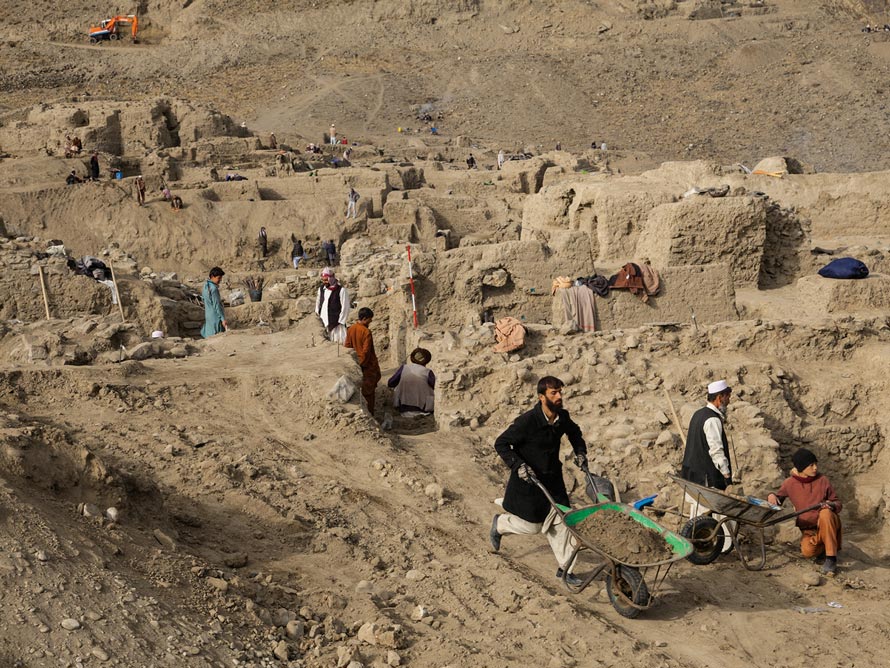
{"x":530,"y":447}
{"x":624,"y":544}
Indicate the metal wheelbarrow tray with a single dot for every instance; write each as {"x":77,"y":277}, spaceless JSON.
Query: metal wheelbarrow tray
{"x":626,"y":583}
{"x":704,"y":531}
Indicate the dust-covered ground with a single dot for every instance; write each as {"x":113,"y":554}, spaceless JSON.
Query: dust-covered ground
{"x":185,"y":502}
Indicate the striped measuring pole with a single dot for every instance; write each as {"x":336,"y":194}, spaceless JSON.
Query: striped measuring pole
{"x":411,"y":281}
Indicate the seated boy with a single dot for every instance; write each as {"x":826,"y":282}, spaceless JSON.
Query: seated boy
{"x":821,"y":526}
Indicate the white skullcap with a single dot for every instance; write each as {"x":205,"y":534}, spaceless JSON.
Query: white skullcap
{"x":717,"y":387}
{"x":157,"y":334}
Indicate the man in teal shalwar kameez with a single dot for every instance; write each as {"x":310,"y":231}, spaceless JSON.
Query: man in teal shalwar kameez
{"x":214,"y":317}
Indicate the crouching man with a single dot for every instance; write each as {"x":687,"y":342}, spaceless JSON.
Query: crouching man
{"x":821,"y":527}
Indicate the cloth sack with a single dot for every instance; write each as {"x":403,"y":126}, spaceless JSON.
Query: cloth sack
{"x":844,"y":267}
{"x":510,"y":335}
{"x":561,"y":282}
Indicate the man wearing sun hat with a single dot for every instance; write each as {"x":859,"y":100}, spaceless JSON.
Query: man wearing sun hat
{"x":706,"y":460}
{"x":414,"y":384}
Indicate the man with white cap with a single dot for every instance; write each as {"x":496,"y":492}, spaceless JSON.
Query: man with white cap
{"x":139,"y":184}
{"x":332,"y":305}
{"x":706,"y":460}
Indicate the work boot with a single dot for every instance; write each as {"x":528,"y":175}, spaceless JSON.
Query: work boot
{"x":571,"y":579}
{"x":829,"y":567}
{"x":494,"y":536}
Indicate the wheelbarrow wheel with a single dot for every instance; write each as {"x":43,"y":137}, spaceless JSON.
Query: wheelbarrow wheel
{"x":707,"y":542}
{"x":628,"y":586}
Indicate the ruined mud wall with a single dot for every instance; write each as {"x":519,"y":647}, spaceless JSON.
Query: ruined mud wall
{"x":705,"y":291}
{"x":703,"y":230}
{"x":68,"y":295}
{"x":117,"y":128}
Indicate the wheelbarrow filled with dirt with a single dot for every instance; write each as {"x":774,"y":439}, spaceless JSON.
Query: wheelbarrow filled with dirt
{"x":743,"y":518}
{"x":633,"y":552}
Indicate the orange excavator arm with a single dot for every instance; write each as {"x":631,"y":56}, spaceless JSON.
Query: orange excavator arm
{"x":110,"y":26}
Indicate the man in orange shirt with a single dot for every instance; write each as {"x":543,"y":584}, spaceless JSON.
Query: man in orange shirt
{"x":359,"y":337}
{"x":821,"y":527}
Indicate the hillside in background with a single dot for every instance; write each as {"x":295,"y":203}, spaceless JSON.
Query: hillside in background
{"x":726,"y":80}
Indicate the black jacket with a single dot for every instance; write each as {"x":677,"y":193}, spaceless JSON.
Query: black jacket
{"x":533,"y":441}
{"x":698,"y":467}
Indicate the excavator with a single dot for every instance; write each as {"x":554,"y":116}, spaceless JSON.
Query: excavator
{"x":114,"y":28}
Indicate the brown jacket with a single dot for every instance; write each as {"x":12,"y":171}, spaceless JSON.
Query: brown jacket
{"x":629,"y":278}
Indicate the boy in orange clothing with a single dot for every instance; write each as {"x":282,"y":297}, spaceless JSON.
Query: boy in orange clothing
{"x":359,"y":337}
{"x":821,"y":526}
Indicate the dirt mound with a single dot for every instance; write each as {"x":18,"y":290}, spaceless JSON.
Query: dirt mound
{"x":623,"y":538}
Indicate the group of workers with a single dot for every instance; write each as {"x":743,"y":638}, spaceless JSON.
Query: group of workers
{"x":413,"y":384}
{"x":530,"y":445}
{"x":530,"y":449}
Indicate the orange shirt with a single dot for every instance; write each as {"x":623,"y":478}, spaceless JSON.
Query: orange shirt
{"x":359,"y":337}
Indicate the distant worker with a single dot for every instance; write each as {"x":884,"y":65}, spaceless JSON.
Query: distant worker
{"x":176,"y":202}
{"x":332,"y":135}
{"x":273,"y":141}
{"x":282,"y":164}
{"x":501,"y":159}
{"x":332,"y":304}
{"x":324,"y":252}
{"x":359,"y":337}
{"x":471,"y":162}
{"x":214,"y":316}
{"x":530,"y":448}
{"x":73,"y":178}
{"x":347,"y":154}
{"x":139,"y":185}
{"x":559,"y":146}
{"x":706,"y":459}
{"x":352,"y":200}
{"x":297,"y":253}
{"x":330,"y":249}
{"x":414,"y":384}
{"x":263,"y":241}
{"x":821,"y":527}
{"x":94,"y":166}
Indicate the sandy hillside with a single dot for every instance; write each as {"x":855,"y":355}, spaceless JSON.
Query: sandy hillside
{"x":178,"y":501}
{"x":694,"y":79}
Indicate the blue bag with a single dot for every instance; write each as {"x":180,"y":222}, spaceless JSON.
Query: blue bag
{"x":844,"y":267}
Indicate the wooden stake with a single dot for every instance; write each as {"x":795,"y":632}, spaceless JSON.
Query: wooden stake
{"x":43,"y":290}
{"x":674,"y":413}
{"x":120,"y":304}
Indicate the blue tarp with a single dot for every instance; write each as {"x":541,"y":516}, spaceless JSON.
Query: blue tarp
{"x":844,"y":267}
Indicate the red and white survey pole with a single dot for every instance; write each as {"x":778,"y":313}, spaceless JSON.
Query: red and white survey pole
{"x":411,"y":282}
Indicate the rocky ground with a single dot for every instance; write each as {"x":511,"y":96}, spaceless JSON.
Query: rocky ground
{"x":177,"y":501}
